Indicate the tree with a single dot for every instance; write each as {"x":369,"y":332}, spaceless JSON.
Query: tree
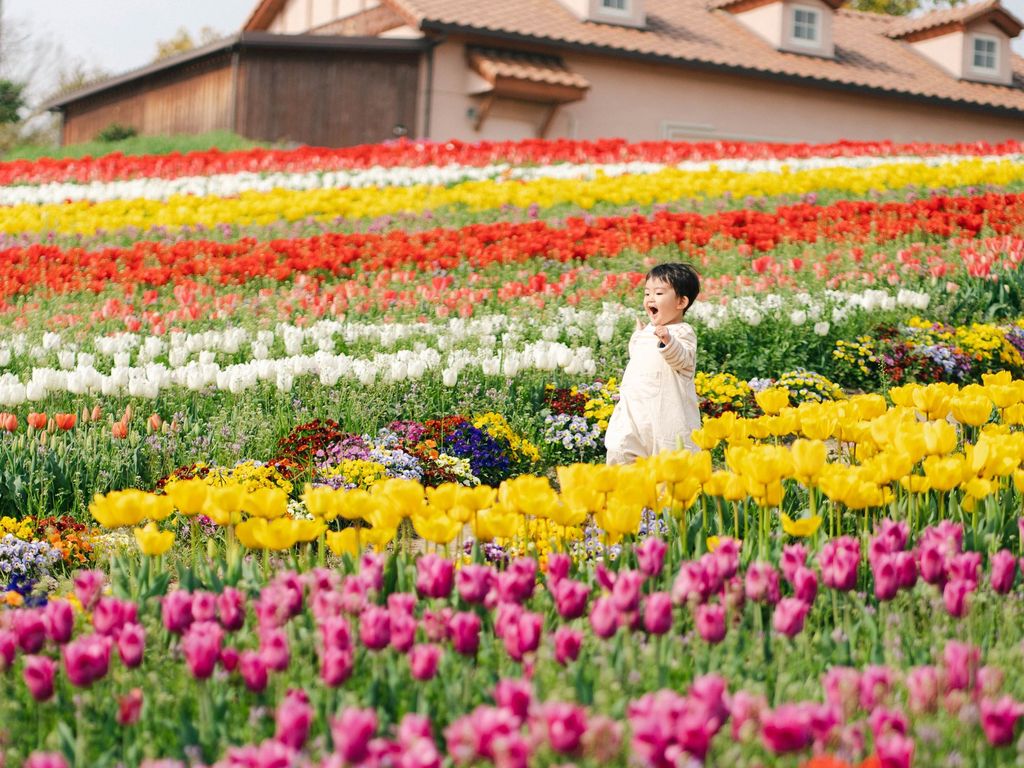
{"x":183,"y":41}
{"x":901,"y":7}
{"x":12,"y":100}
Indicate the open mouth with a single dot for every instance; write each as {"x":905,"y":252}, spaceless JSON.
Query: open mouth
{"x":652,"y":311}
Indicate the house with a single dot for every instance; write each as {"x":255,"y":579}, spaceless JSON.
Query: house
{"x":775,"y":70}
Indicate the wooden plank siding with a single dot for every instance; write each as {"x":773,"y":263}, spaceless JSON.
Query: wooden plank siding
{"x":327,"y":98}
{"x":192,"y":99}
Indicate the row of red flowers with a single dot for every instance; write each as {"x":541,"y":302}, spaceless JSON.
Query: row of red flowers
{"x":424,"y":153}
{"x":25,"y":269}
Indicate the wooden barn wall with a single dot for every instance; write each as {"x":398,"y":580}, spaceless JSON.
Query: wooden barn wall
{"x":327,"y":98}
{"x":193,"y":99}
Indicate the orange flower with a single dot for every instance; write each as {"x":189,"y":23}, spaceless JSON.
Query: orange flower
{"x":119,"y":430}
{"x":65,"y":421}
{"x":37,"y":420}
{"x":8,"y":422}
{"x":154,"y":421}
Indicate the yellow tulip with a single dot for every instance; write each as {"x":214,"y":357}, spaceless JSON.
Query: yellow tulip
{"x":278,"y":533}
{"x":1014,"y":414}
{"x":971,"y":410}
{"x":359,"y":504}
{"x":344,"y":542}
{"x":477,"y":498}
{"x":904,"y":395}
{"x":308,"y":530}
{"x":704,"y":439}
{"x":1018,"y":480}
{"x":320,"y":501}
{"x":868,"y":406}
{"x":801,"y":528}
{"x":1001,"y":378}
{"x":979,"y":488}
{"x":529,"y":495}
{"x":767,"y":463}
{"x":224,"y":503}
{"x":378,"y":537}
{"x":940,"y":437}
{"x":245,"y":532}
{"x":436,"y":526}
{"x":267,"y":503}
{"x":188,"y":495}
{"x":152,"y":541}
{"x":444,"y":496}
{"x":933,"y":400}
{"x":619,"y":517}
{"x":809,"y":457}
{"x":909,"y":439}
{"x":404,"y":496}
{"x":944,"y":472}
{"x":916,"y":484}
{"x":818,"y":423}
{"x":157,"y":507}
{"x":772,"y":400}
{"x":119,"y":508}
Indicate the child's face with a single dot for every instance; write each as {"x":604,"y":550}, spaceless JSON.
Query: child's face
{"x":662,"y":304}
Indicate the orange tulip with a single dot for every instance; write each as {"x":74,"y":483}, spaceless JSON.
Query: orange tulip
{"x":37,"y":420}
{"x":8,"y":422}
{"x":96,"y":413}
{"x":119,"y":430}
{"x":65,"y":421}
{"x":154,"y":422}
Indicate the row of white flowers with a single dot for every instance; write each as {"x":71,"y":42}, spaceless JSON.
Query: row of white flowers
{"x":494,"y":345}
{"x":227,"y":185}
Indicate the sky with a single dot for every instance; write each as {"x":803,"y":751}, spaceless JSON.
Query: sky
{"x":118,"y":35}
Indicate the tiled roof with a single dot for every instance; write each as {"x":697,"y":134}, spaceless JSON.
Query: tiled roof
{"x":687,"y":31}
{"x":958,"y":14}
{"x":493,"y":63}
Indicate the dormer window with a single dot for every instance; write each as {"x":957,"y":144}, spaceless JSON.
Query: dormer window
{"x":622,"y":13}
{"x":985,"y":56}
{"x":806,"y":26}
{"x":615,"y":6}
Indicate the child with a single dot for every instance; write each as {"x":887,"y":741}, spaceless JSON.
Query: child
{"x":657,"y":408}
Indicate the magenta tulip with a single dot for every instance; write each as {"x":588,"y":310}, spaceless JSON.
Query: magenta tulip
{"x":38,"y":674}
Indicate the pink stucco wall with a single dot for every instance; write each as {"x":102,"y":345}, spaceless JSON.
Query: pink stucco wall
{"x":642,"y":101}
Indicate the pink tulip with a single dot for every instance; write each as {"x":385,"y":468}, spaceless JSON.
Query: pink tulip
{"x":435,"y":624}
{"x":402,"y":603}
{"x":786,"y":729}
{"x":30,"y":629}
{"x":565,"y":724}
{"x":352,"y":731}
{"x":326,"y":604}
{"x":999,"y":720}
{"x":710,"y":621}
{"x":523,"y":635}
{"x":990,"y":681}
{"x":131,"y":643}
{"x":516,"y":584}
{"x":229,"y":658}
{"x":839,"y":561}
{"x":129,"y":707}
{"x":692,"y":584}
{"x":960,"y":661}
{"x":38,"y":674}
{"x":567,"y":645}
{"x":789,"y":616}
{"x":201,"y":646}
{"x":842,"y":689}
{"x":335,"y":632}
{"x":727,"y":556}
{"x":274,"y":649}
{"x":204,"y":606}
{"x":413,"y":728}
{"x":602,"y":742}
{"x":8,"y":648}
{"x":515,"y":696}
{"x":570,"y":598}
{"x":253,"y":670}
{"x":933,"y":558}
{"x":745,"y":711}
{"x":883,"y":721}
{"x":875,"y":683}
{"x":423,"y":661}
{"x":658,"y":613}
{"x":604,"y":618}
{"x":88,"y":585}
{"x":435,"y":576}
{"x":558,"y":566}
{"x":336,"y":666}
{"x":906,"y":566}
{"x":895,"y":751}
{"x":710,"y":692}
{"x":86,"y":659}
{"x":650,"y":556}
{"x":887,"y":577}
{"x":371,"y":569}
{"x":176,"y":611}
{"x":375,"y":628}
{"x":231,"y":609}
{"x":110,"y":614}
{"x":402,"y":629}
{"x":954,"y":597}
{"x":965,"y":566}
{"x":60,"y":621}
{"x":293,"y":718}
{"x":1004,"y":571}
{"x":272,"y":605}
{"x":465,"y":633}
{"x":805,"y":584}
{"x":626,"y":593}
{"x":46,"y":760}
{"x":762,"y":583}
{"x":793,"y":556}
{"x":474,"y":582}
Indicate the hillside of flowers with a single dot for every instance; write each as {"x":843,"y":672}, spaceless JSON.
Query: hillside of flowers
{"x":302,"y":458}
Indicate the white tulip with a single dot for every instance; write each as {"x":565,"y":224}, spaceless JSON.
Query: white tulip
{"x":449,"y":377}
{"x":822,"y":328}
{"x":798,"y":317}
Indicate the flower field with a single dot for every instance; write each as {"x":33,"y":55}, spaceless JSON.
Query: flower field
{"x":302,"y":462}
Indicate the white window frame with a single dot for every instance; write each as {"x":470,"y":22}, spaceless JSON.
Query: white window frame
{"x":804,"y":41}
{"x":625,"y":10}
{"x":978,"y":38}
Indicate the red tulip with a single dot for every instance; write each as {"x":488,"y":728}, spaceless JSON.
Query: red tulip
{"x":37,"y":420}
{"x":65,"y":421}
{"x":8,"y":422}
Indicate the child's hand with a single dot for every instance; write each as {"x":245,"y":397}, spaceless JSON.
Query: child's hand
{"x":662,"y":333}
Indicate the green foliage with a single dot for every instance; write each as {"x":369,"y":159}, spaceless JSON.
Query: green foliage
{"x":140,"y":145}
{"x":12,"y":99}
{"x":899,"y":7}
{"x":117,"y":132}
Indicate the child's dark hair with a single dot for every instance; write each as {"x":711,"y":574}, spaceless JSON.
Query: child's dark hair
{"x":682,"y":277}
